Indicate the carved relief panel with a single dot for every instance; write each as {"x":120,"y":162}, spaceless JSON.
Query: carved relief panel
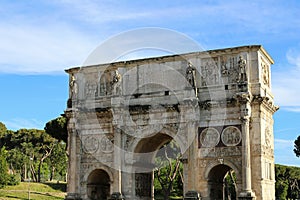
{"x":224,"y":69}
{"x":109,"y":83}
{"x":210,"y":72}
{"x":227,"y":136}
{"x":265,"y":72}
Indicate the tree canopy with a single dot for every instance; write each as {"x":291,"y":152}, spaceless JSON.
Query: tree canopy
{"x":297,"y":146}
{"x":57,"y":128}
{"x":34,"y":154}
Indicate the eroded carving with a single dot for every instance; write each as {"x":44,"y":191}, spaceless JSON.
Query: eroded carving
{"x":265,"y":73}
{"x":90,"y":144}
{"x":210,"y":72}
{"x":220,"y":152}
{"x":242,"y":63}
{"x":191,"y":75}
{"x":73,"y":87}
{"x":91,"y":89}
{"x":209,"y":137}
{"x":231,"y":136}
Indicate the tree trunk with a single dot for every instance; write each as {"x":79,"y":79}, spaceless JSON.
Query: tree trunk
{"x":33,"y":173}
{"x":39,"y":171}
{"x":52,"y":173}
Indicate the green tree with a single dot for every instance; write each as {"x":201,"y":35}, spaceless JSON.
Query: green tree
{"x":35,"y":146}
{"x":57,"y":162}
{"x":287,"y":182}
{"x":297,"y":146}
{"x":57,"y":128}
{"x":168,"y":177}
{"x":3,"y":168}
{"x":3,"y":129}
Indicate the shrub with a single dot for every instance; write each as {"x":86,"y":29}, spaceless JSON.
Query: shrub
{"x":13,"y":179}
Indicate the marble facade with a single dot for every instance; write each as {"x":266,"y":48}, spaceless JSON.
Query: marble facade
{"x":217,"y":105}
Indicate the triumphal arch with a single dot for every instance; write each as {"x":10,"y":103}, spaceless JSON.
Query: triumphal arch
{"x":216,"y":105}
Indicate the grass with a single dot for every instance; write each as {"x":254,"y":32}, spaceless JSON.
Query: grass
{"x":38,"y":191}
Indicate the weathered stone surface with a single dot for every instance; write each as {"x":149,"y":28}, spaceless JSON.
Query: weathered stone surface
{"x":216,"y":105}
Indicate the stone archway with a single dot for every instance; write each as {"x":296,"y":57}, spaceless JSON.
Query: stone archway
{"x":144,"y":177}
{"x":98,"y":185}
{"x":218,"y":185}
{"x":222,"y":116}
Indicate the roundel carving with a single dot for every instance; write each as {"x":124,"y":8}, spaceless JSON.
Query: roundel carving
{"x":231,"y":136}
{"x":106,"y":144}
{"x":209,"y":137}
{"x":91,"y":144}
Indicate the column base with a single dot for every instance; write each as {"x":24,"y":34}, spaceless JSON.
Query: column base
{"x":247,"y":195}
{"x":72,"y":196}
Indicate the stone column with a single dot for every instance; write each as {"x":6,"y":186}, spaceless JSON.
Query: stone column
{"x":189,"y":115}
{"x":246,"y":193}
{"x":72,"y":192}
{"x":117,"y":161}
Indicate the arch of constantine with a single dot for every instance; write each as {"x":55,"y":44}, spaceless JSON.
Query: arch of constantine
{"x":216,"y":105}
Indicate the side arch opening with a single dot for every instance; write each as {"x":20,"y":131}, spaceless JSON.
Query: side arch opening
{"x":98,"y":185}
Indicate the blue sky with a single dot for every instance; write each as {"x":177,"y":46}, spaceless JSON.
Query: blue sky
{"x":39,"y":39}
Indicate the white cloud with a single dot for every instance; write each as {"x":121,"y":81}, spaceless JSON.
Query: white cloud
{"x":286,"y":83}
{"x":63,"y":36}
{"x":28,"y":49}
{"x":18,"y":123}
{"x":284,"y":153}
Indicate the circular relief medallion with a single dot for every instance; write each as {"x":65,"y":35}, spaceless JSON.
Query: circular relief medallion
{"x":209,"y":137}
{"x":231,"y":136}
{"x":91,"y":144}
{"x":106,"y":144}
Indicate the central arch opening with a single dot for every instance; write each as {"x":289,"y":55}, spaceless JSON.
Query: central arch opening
{"x":152,"y":150}
{"x":222,"y":183}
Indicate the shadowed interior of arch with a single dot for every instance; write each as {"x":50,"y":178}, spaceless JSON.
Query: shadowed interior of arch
{"x":151,"y":144}
{"x":98,"y":185}
{"x":222,"y":182}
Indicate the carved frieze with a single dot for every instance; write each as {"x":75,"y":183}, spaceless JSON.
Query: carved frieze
{"x":220,"y":152}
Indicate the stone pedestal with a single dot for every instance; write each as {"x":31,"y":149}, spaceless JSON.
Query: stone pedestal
{"x":72,"y":196}
{"x":248,"y":195}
